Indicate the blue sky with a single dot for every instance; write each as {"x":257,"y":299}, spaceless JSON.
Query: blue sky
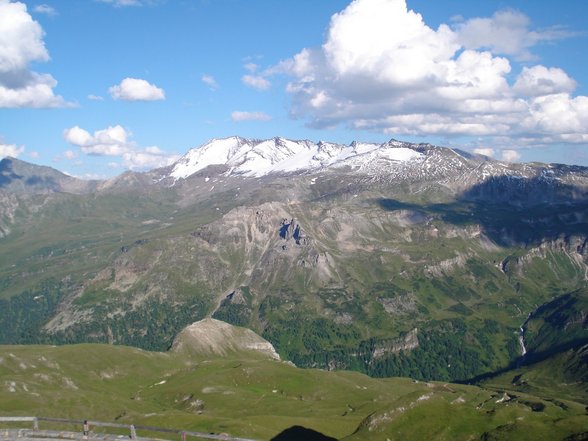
{"x":96,"y":87}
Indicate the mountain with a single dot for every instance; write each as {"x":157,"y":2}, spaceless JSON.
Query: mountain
{"x":20,"y":177}
{"x":391,"y":259}
{"x":278,"y":155}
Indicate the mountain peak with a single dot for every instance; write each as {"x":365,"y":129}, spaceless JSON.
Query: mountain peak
{"x":256,"y":158}
{"x":20,"y":176}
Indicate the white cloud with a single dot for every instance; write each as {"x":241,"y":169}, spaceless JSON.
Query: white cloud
{"x":506,"y":32}
{"x":256,"y":81}
{"x":115,"y":141}
{"x":382,"y":68}
{"x":210,"y":81}
{"x":540,"y":81}
{"x":70,"y":154}
{"x":112,"y":141}
{"x":21,"y":43}
{"x":142,"y":160}
{"x":135,"y":89}
{"x":127,"y":3}
{"x":95,"y":98}
{"x":250,"y":67}
{"x":486,"y":151}
{"x":559,"y":116}
{"x":154,"y":150}
{"x":510,"y":155}
{"x":21,"y":38}
{"x":77,"y":136}
{"x":10,"y":150}
{"x":122,"y":3}
{"x":250,"y":116}
{"x":33,"y":155}
{"x":45,"y":9}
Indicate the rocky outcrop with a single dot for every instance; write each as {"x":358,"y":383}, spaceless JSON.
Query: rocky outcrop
{"x":400,"y":305}
{"x":407,"y":342}
{"x":214,"y":337}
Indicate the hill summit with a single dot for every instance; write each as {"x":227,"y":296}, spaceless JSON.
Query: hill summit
{"x":215,"y":337}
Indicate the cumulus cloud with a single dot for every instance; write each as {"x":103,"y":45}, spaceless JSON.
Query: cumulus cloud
{"x":45,"y":9}
{"x":112,"y":141}
{"x":510,"y":155}
{"x":115,"y":141}
{"x":144,"y":160}
{"x":256,"y":81}
{"x":559,"y":117}
{"x":11,"y":150}
{"x":382,"y":68}
{"x":541,"y":81}
{"x":210,"y":81}
{"x":21,"y":43}
{"x":250,"y":116}
{"x":486,"y":151}
{"x":92,"y":97}
{"x":506,"y":32}
{"x":136,"y":89}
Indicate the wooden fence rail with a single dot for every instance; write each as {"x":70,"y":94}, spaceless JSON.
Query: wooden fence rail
{"x":86,"y":426}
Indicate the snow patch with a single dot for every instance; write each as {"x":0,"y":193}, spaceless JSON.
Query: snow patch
{"x":257,"y":158}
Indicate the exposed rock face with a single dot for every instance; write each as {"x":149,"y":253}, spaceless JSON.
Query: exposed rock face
{"x":400,"y":305}
{"x":407,"y":342}
{"x":214,"y":337}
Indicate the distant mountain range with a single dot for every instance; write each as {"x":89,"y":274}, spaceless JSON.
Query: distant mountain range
{"x":391,"y":259}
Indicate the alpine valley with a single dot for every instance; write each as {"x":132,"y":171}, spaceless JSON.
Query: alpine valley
{"x":392,"y":259}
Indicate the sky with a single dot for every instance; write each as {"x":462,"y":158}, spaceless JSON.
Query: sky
{"x":97,"y":87}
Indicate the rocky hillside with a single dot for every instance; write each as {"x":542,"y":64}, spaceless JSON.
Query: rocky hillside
{"x":391,"y":259}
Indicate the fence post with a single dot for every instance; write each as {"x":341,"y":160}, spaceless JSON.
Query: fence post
{"x":86,"y":429}
{"x":36,"y":424}
{"x":133,"y":432}
{"x":183,"y":436}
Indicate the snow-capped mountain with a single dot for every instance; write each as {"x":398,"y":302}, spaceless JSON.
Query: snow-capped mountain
{"x":258,"y":158}
{"x":390,"y":162}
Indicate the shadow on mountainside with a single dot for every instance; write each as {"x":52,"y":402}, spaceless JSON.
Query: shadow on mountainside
{"x":7,"y":175}
{"x":11,"y":180}
{"x":512,"y":211}
{"x":299,"y":433}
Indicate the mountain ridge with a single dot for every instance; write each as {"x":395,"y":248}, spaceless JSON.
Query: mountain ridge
{"x":241,"y":158}
{"x":335,"y":266}
{"x":18,"y":176}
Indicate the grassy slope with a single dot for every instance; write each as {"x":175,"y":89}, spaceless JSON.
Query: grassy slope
{"x":251,"y":396}
{"x":564,"y":375}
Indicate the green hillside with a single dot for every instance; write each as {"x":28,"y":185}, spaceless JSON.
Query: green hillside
{"x":563,"y":375}
{"x":253,"y":396}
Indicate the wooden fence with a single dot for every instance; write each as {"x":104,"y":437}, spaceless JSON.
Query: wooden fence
{"x":86,"y":431}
